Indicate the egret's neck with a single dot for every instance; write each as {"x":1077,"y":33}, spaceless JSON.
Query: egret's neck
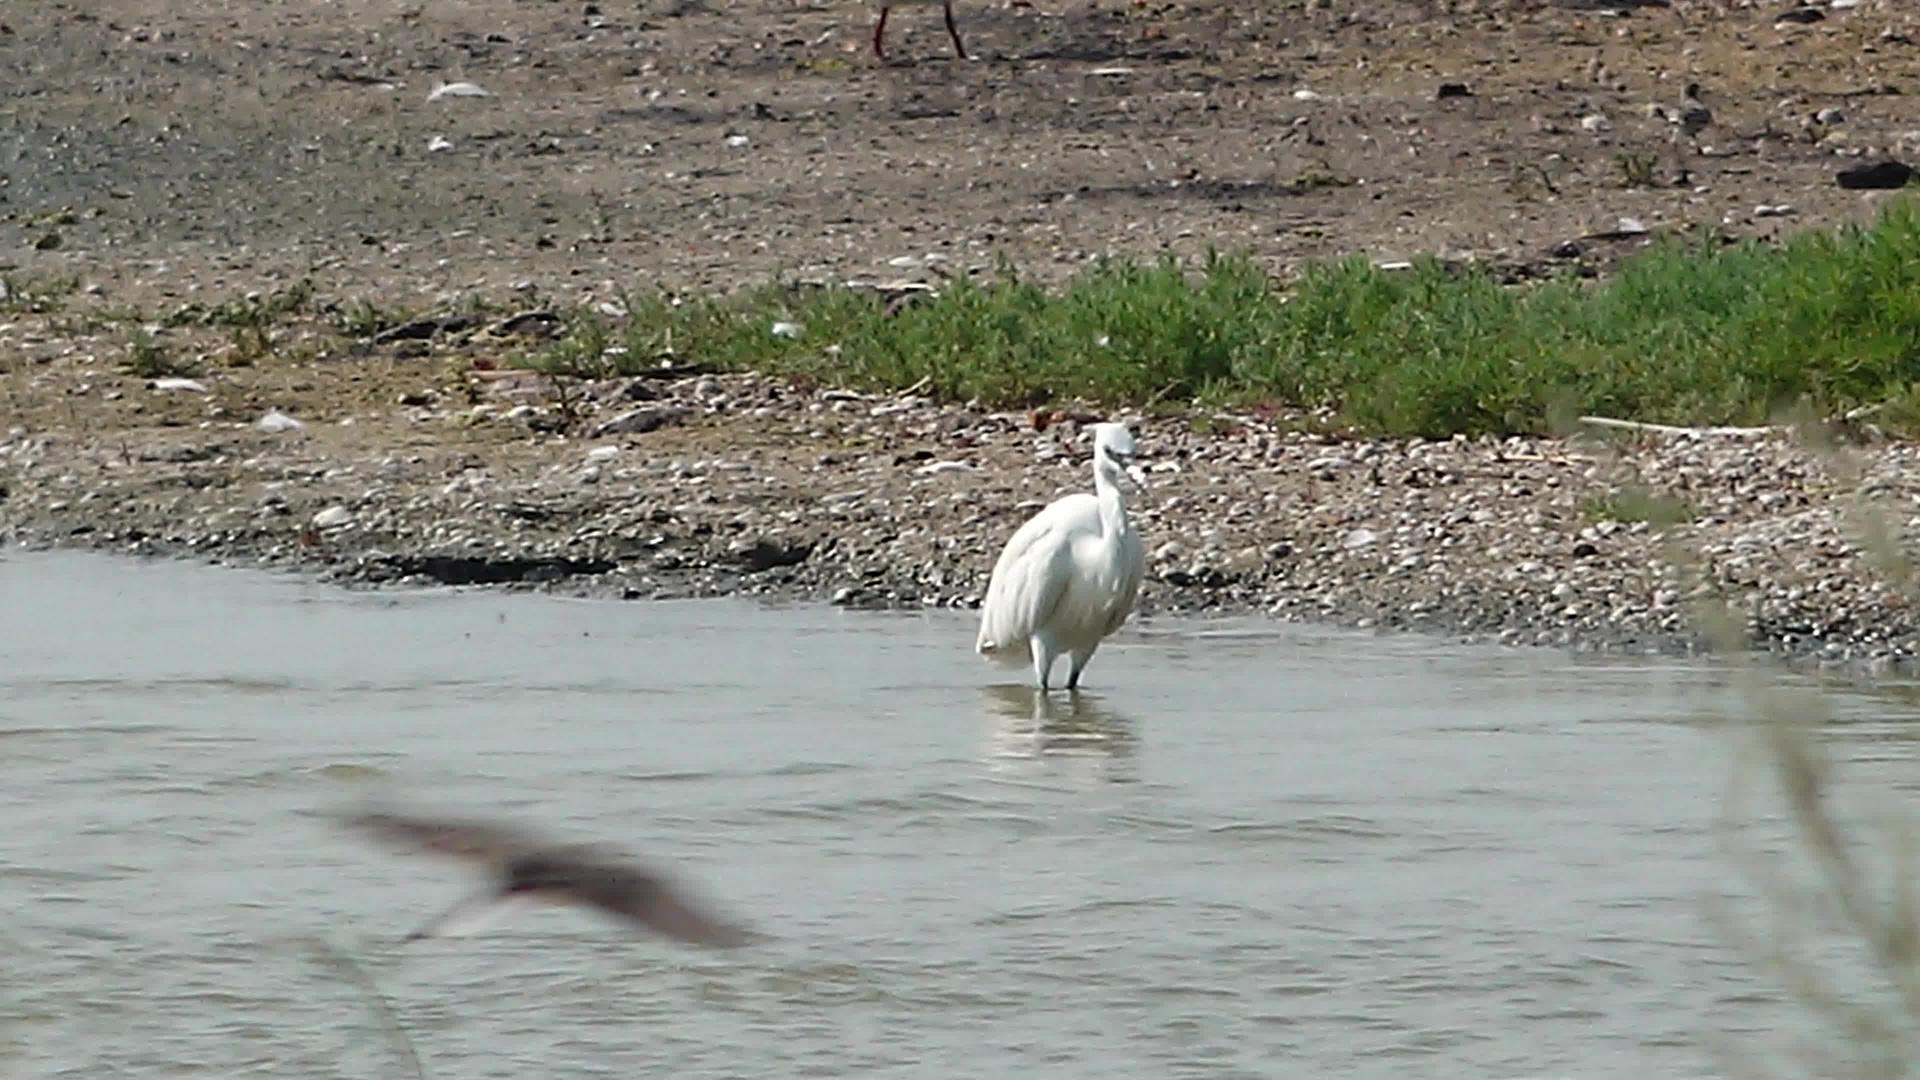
{"x":1113,"y":502}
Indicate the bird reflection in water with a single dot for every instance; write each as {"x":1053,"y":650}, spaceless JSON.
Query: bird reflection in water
{"x":1076,"y":734}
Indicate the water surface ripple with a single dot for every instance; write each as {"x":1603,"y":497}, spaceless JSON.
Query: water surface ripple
{"x":1243,"y":852}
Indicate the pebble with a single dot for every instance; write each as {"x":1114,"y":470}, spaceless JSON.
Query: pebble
{"x":456,"y":89}
{"x":784,"y":492}
{"x":640,"y":421}
{"x":174,"y":383}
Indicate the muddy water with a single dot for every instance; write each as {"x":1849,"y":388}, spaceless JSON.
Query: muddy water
{"x":1245,"y":851}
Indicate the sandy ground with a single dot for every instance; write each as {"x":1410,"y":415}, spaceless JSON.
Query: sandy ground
{"x":154,"y":153}
{"x":698,"y":145}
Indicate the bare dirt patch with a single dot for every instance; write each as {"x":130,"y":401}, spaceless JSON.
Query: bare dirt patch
{"x":164,"y":146}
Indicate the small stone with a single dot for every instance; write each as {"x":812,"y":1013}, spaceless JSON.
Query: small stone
{"x":171,"y":383}
{"x":937,"y":468}
{"x":1829,"y":115}
{"x":276,"y":422}
{"x":456,"y":89}
{"x":641,"y":421}
{"x":1358,"y":538}
{"x":530,"y":324}
{"x":758,"y":555}
{"x":1452,"y":90}
{"x":332,"y":517}
{"x":1585,"y":549}
{"x":785,"y":329}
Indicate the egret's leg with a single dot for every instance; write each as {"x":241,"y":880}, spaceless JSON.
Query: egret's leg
{"x":1043,"y":656}
{"x":1079,"y":664}
{"x":954,"y":32}
{"x":879,"y":29}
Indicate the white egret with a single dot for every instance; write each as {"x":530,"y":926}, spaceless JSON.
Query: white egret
{"x":1069,"y":576}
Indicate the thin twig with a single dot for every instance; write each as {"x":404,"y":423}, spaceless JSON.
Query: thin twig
{"x":376,"y":1001}
{"x":1673,"y":429}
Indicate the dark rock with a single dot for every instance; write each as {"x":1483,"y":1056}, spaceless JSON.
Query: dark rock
{"x":180,"y":455}
{"x":1801,"y":15}
{"x":417,"y":330}
{"x":1585,"y":549}
{"x":424,"y":329}
{"x":759,"y":555}
{"x":1567,"y":249}
{"x":523,"y":511}
{"x":637,"y":390}
{"x":530,"y":324}
{"x":480,"y":570}
{"x":1884,"y":175}
{"x":1452,"y":90}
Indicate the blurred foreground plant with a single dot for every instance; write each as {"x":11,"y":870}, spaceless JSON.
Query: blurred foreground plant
{"x":1838,"y":928}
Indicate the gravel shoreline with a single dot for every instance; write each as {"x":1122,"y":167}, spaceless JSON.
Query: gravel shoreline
{"x":709,"y":485}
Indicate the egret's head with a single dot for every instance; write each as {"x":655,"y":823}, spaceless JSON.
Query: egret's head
{"x":1113,"y":454}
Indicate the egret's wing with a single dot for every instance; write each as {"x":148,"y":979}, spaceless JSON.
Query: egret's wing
{"x":1026,"y":585}
{"x":479,"y":841}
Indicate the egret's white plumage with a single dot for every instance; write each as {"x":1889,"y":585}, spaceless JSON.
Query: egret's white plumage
{"x":1069,"y":576}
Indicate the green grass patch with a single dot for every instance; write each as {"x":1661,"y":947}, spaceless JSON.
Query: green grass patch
{"x":150,"y":359}
{"x":1690,"y":332}
{"x":256,"y":312}
{"x":1637,"y":504}
{"x":22,"y":294}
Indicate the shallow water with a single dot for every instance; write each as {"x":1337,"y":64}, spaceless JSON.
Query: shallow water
{"x":1245,"y":851}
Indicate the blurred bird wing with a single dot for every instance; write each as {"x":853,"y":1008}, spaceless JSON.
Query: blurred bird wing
{"x":471,"y":915}
{"x":478,"y":841}
{"x":660,"y":905}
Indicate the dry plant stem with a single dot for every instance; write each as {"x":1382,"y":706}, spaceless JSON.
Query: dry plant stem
{"x":1883,"y":917}
{"x":1672,"y":429}
{"x":376,"y":1001}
